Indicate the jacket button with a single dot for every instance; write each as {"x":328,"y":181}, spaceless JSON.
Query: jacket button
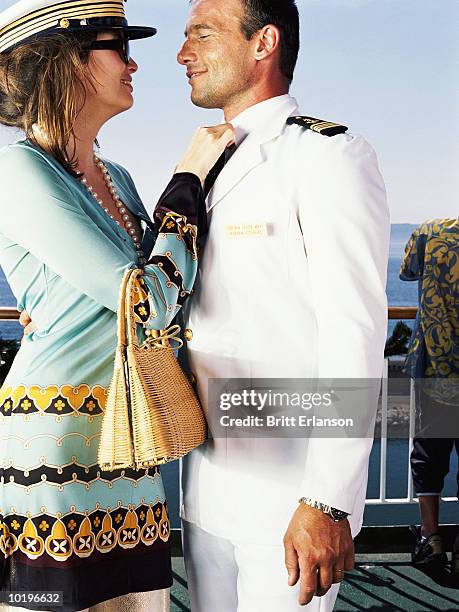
{"x":188,"y":335}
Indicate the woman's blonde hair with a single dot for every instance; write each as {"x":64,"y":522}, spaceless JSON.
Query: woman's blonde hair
{"x":41,"y":84}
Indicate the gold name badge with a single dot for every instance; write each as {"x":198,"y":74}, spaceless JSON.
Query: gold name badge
{"x":246,"y":230}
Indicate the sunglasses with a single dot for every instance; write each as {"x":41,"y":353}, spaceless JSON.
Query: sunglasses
{"x":120,"y":44}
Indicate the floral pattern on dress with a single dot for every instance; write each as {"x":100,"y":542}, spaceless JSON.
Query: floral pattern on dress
{"x":432,"y":259}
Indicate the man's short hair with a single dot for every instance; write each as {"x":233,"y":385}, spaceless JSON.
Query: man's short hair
{"x":284,"y":15}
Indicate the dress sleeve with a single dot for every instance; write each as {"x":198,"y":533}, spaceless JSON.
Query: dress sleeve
{"x":185,"y":188}
{"x":39,"y":212}
{"x":413,"y":261}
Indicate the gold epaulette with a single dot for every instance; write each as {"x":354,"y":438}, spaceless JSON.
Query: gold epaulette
{"x":326,"y":128}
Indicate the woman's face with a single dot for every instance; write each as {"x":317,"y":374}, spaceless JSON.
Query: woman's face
{"x":112,"y":79}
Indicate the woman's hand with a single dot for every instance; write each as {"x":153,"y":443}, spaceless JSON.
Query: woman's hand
{"x":206,"y":147}
{"x":27,"y":323}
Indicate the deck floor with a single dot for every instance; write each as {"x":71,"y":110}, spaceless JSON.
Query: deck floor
{"x":379,"y":582}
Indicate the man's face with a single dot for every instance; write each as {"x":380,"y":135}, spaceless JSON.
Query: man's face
{"x":217,"y":55}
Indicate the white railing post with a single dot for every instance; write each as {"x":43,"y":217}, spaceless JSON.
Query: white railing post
{"x":383,"y":450}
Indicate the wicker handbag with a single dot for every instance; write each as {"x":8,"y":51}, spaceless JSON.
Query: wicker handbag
{"x":152,"y":414}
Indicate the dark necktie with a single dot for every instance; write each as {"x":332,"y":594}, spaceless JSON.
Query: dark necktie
{"x":213,"y":174}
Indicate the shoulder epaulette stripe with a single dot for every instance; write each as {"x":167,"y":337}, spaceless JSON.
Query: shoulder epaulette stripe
{"x":326,"y":128}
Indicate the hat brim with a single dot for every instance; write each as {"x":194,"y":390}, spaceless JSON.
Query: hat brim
{"x":133,"y":32}
{"x":138,"y":32}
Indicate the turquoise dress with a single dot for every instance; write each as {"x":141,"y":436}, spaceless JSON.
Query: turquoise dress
{"x":65,"y":525}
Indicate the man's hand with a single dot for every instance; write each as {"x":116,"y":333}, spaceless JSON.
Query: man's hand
{"x":27,"y":323}
{"x":317,"y":552}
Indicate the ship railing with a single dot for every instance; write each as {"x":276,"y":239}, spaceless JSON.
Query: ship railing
{"x":395,"y":313}
{"x":400,"y":314}
{"x":8,"y":314}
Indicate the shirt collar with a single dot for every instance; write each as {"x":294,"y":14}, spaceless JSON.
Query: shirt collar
{"x":256,"y":117}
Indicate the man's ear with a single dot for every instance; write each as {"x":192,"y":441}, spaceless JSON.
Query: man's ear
{"x":268,"y":41}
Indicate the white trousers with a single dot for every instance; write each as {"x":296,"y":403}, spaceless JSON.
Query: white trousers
{"x":232,"y":576}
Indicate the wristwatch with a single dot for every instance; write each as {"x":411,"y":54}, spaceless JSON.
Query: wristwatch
{"x":335,"y":514}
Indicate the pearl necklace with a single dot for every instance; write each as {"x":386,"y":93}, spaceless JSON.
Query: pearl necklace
{"x":128,"y":225}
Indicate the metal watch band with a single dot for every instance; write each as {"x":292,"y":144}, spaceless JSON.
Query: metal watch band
{"x":335,"y":514}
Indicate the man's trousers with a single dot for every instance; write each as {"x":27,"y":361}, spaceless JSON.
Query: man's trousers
{"x":228,"y":576}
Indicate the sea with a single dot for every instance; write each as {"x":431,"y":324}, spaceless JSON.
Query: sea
{"x":399,"y":293}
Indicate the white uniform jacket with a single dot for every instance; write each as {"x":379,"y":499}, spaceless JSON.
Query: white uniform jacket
{"x":305,"y":298}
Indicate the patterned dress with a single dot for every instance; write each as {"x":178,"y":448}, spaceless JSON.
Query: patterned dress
{"x":432,"y":259}
{"x":65,"y":525}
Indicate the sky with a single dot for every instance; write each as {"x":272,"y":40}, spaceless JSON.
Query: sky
{"x":388,"y":69}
